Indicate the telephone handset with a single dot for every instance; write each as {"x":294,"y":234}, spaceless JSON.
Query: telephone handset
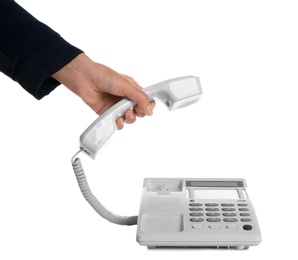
{"x":174,"y":93}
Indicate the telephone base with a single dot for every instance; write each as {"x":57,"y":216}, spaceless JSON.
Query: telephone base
{"x":197,"y":213}
{"x":200,"y":247}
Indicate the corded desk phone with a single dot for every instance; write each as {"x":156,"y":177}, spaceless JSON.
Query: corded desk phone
{"x":186,"y":212}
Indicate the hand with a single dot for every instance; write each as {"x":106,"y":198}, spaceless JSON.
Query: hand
{"x":101,"y":87}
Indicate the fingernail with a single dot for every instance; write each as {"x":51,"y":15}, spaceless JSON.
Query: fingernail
{"x":149,"y":110}
{"x":131,"y":116}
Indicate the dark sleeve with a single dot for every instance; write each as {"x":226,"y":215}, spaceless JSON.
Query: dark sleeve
{"x":30,"y":51}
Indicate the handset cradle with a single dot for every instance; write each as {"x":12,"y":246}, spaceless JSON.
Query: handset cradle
{"x":174,"y":93}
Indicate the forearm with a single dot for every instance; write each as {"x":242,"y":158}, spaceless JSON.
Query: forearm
{"x":30,"y":51}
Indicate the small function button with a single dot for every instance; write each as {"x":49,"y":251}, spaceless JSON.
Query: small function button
{"x":231,"y":226}
{"x":197,"y":226}
{"x":242,"y":205}
{"x":214,"y":226}
{"x":247,"y":227}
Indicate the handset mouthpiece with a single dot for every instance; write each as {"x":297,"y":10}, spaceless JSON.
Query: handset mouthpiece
{"x":174,"y":93}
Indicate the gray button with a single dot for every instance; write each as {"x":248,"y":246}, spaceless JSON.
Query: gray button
{"x":214,"y":226}
{"x":195,"y":204}
{"x":243,"y":209}
{"x":228,"y":209}
{"x":213,"y":219}
{"x":230,"y":219}
{"x":229,"y":214}
{"x":244,"y":214}
{"x":196,"y":214}
{"x":195,"y":209}
{"x":242,"y":205}
{"x":246,"y":220}
{"x":196,"y":219}
{"x":197,"y":226}
{"x":210,"y":214}
{"x":212,"y":209}
{"x":227,"y":204}
{"x":211,"y":204}
{"x":231,"y":226}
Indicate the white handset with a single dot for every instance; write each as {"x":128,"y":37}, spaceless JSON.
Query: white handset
{"x":174,"y":93}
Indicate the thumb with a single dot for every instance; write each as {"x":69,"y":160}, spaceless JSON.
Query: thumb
{"x":136,"y":94}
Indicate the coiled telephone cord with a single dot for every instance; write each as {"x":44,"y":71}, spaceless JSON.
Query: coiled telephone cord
{"x":93,"y":201}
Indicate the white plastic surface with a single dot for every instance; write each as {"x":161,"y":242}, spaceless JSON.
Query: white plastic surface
{"x":174,"y":93}
{"x":190,"y":216}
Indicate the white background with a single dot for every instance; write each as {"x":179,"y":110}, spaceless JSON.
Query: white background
{"x":245,"y":125}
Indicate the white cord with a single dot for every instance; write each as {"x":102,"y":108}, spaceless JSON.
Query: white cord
{"x":92,"y":200}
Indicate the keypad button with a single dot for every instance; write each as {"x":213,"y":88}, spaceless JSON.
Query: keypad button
{"x":244,"y":214}
{"x":231,"y":226}
{"x":227,"y":204}
{"x":196,"y":214}
{"x":242,"y":205}
{"x":212,"y":209}
{"x":247,"y":227}
{"x":211,"y":214}
{"x":246,"y":220}
{"x":213,"y":219}
{"x":195,"y":209}
{"x":196,"y":219}
{"x":243,"y":209}
{"x":228,"y":209}
{"x":197,"y":226}
{"x":211,"y":204}
{"x":195,"y":204}
{"x":230,"y":220}
{"x":229,"y":214}
{"x":214,"y":226}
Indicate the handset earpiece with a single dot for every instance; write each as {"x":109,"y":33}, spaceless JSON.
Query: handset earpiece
{"x":174,"y":93}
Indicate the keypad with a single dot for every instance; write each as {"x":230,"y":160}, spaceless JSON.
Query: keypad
{"x":219,"y":215}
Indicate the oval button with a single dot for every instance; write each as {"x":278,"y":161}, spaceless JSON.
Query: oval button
{"x":228,"y":209}
{"x":195,"y":204}
{"x":211,"y":204}
{"x":196,"y":219}
{"x":195,"y":209}
{"x":230,"y":219}
{"x":196,"y":214}
{"x":213,"y":219}
{"x":246,"y":220}
{"x":212,"y":209}
{"x":229,"y":214}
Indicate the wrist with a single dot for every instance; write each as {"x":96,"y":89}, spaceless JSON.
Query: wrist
{"x":74,"y":75}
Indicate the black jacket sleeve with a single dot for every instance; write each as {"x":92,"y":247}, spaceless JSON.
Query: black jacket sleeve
{"x":30,"y":51}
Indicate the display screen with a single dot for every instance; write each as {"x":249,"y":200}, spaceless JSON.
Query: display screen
{"x":214,"y":184}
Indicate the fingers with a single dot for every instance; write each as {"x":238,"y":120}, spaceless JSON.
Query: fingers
{"x":137,"y":95}
{"x":140,"y":113}
{"x":130,"y":116}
